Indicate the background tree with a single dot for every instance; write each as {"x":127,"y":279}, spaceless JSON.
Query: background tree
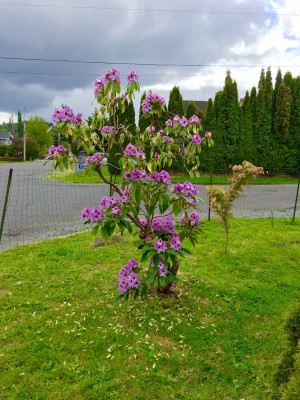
{"x":175,"y":104}
{"x":37,"y":129}
{"x":228,"y":119}
{"x":20,"y":125}
{"x":191,"y":109}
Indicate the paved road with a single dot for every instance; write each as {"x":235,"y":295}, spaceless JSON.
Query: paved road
{"x":39,"y":208}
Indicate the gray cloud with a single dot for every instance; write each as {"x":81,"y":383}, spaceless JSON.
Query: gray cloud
{"x":113,"y":35}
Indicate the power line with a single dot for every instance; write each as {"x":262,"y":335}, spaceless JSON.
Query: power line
{"x":147,"y":9}
{"x":143,"y":64}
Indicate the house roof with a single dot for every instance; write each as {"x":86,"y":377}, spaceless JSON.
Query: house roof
{"x":5,"y":135}
{"x":201,"y":105}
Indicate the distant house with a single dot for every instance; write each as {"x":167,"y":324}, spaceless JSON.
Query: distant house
{"x":6,"y":138}
{"x":201,"y":105}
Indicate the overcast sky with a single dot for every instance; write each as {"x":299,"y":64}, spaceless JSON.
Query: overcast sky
{"x":240,"y":35}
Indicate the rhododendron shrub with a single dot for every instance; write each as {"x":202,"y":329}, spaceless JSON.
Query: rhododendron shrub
{"x":145,"y":203}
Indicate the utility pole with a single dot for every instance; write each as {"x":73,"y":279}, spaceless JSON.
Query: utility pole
{"x":24,"y":137}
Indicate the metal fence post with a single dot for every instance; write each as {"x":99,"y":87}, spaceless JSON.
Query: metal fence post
{"x":296,"y":200}
{"x":5,"y":202}
{"x":209,"y":198}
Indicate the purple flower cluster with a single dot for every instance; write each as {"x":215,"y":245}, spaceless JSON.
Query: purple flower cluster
{"x":162,"y":176}
{"x":108,"y":129}
{"x":193,"y":219}
{"x":107,"y":202}
{"x":125,"y":196}
{"x":132,"y":151}
{"x":175,"y":242}
{"x":150,"y":99}
{"x":66,"y":114}
{"x":163,"y":223}
{"x":167,"y":139}
{"x":186,"y":188}
{"x":116,"y":212}
{"x":133,"y":76}
{"x":136,"y":175}
{"x":184,"y":122}
{"x":89,"y":214}
{"x":162,"y":269}
{"x":127,"y":278}
{"x":55,"y":151}
{"x":110,"y":76}
{"x":196,"y":139}
{"x":95,"y":159}
{"x":160,"y":246}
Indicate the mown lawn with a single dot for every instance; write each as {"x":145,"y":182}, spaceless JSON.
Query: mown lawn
{"x":204,"y":179}
{"x":221,"y":336}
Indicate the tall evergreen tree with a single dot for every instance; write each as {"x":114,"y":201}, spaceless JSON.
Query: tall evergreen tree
{"x":175,"y":104}
{"x":246,"y":150}
{"x":210,"y":156}
{"x":265,"y":152}
{"x":228,"y":119}
{"x":20,"y":126}
{"x":191,"y":109}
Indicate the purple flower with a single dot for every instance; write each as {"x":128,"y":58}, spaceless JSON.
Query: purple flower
{"x":89,"y":214}
{"x":151,"y":100}
{"x":194,"y":219}
{"x":186,"y":188}
{"x":196,"y":139}
{"x":130,"y":150}
{"x":208,"y":134}
{"x":194,"y":120}
{"x":113,"y":75}
{"x":95,"y":159}
{"x":100,"y":82}
{"x":57,"y":151}
{"x":116,"y":212}
{"x":167,"y":139}
{"x":133,"y":76}
{"x":160,"y":246}
{"x":161,"y":132}
{"x":184,"y":122}
{"x":66,"y":114}
{"x":175,"y":244}
{"x":169,"y":122}
{"x":106,"y":129}
{"x":162,"y":270}
{"x":133,"y":263}
{"x":126,"y":196}
{"x":163,"y":223}
{"x":136,"y":175}
{"x":162,"y":176}
{"x":134,"y":281}
{"x":107,"y":202}
{"x":123,"y":285}
{"x":176,"y":119}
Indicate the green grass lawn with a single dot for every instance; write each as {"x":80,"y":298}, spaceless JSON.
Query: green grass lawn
{"x":64,"y":336}
{"x":93,"y":177}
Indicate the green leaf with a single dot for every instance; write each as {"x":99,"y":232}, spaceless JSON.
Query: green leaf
{"x":185,"y":251}
{"x":144,"y":256}
{"x":138,"y":196}
{"x":105,"y":232}
{"x":176,"y":208}
{"x":172,"y":277}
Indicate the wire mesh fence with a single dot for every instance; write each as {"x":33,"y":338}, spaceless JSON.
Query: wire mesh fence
{"x":34,"y":207}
